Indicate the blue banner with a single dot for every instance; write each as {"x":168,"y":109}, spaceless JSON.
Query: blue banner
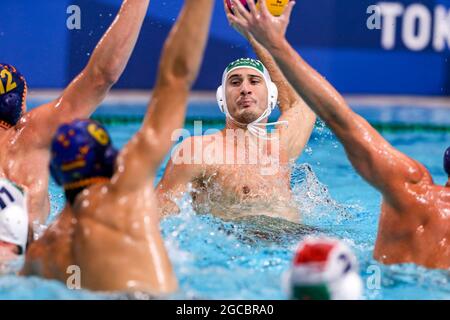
{"x":361,"y":46}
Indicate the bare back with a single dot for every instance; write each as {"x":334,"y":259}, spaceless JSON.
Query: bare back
{"x":101,"y":234}
{"x":124,"y":228}
{"x":417,"y":230}
{"x":41,"y":259}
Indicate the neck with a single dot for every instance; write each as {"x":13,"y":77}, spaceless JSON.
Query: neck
{"x":448,"y":182}
{"x":229,"y":124}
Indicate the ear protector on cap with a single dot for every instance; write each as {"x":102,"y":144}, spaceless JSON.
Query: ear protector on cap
{"x":447,"y":161}
{"x":256,"y":127}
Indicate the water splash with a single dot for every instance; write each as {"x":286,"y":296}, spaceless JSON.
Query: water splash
{"x":312,"y":196}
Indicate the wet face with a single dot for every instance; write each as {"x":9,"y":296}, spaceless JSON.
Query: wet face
{"x":8,"y":251}
{"x":246,"y":95}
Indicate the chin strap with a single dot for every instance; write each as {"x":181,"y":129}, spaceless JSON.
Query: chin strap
{"x":255,"y":127}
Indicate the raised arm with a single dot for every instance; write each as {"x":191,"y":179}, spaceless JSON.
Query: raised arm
{"x":180,"y":62}
{"x":373,"y":157}
{"x":293,"y":109}
{"x":89,"y":88}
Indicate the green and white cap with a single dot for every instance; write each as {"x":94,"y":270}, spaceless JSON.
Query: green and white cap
{"x":255,"y":126}
{"x":247,"y":63}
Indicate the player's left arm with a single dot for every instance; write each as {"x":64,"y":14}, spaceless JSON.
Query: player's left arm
{"x":300,"y":118}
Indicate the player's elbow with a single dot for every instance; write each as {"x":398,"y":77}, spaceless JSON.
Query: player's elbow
{"x":110,"y":76}
{"x":179,"y":73}
{"x":185,"y":71}
{"x":105,"y":76}
{"x":153,"y":145}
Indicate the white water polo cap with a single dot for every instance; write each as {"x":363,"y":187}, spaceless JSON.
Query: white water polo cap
{"x":13,"y":214}
{"x":272,"y":100}
{"x":324,"y":269}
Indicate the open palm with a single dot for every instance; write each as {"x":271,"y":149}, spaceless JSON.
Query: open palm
{"x":266,"y":28}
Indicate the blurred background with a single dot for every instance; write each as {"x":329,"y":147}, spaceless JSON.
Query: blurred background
{"x":407,"y":54}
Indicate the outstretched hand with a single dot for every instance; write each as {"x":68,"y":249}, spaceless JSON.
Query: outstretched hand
{"x":261,"y":24}
{"x":231,"y":14}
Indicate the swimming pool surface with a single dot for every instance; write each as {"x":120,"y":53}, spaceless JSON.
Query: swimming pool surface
{"x":214,"y":259}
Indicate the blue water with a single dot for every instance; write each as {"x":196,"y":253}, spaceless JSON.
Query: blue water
{"x":221,"y":260}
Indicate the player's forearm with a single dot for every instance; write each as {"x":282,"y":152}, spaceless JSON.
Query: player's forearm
{"x":180,"y":62}
{"x":183,"y":51}
{"x":166,"y":205}
{"x":168,"y":209}
{"x":360,"y":140}
{"x":113,"y":51}
{"x":286,"y":95}
{"x":317,"y":92}
{"x":367,"y":150}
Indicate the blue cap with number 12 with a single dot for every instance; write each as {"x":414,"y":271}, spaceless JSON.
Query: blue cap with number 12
{"x":13,"y":93}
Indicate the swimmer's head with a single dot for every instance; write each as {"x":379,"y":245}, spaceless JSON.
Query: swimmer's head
{"x":247,"y":92}
{"x":14,"y":228}
{"x":447,"y":161}
{"x":13,"y":92}
{"x":81,"y":154}
{"x":324,"y":269}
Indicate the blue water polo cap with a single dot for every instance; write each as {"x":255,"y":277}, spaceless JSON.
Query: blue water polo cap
{"x":447,"y":161}
{"x":13,"y":92}
{"x":81,"y":154}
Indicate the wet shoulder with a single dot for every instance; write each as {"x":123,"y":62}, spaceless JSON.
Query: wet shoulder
{"x":443,"y":194}
{"x":419,"y":174}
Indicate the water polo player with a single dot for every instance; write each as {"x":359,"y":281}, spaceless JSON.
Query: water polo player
{"x":414,"y":224}
{"x":243,"y":169}
{"x":110,"y":225}
{"x":26,"y":136}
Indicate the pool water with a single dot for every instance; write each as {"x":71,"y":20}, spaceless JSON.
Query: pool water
{"x":246,"y":259}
